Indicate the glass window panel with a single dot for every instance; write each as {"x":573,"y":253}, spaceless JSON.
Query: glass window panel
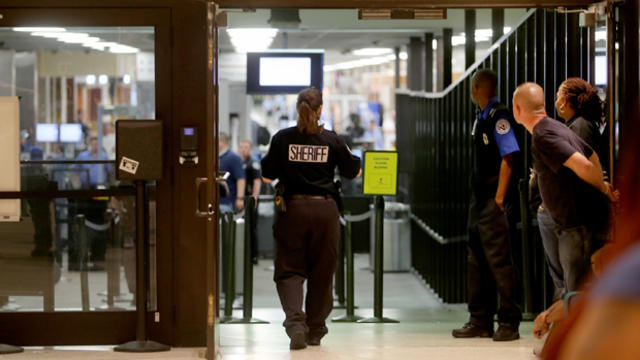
{"x":73,"y":84}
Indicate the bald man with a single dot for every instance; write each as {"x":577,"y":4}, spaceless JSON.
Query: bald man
{"x":490,"y":265}
{"x":571,"y":184}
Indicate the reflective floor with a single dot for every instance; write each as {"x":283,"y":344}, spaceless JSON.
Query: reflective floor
{"x":424,"y":331}
{"x":413,"y":338}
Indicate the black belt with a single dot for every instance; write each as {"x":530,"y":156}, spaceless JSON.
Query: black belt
{"x":310,"y":197}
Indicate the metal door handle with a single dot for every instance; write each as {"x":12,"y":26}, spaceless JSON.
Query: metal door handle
{"x":223,"y":176}
{"x":210,"y":209}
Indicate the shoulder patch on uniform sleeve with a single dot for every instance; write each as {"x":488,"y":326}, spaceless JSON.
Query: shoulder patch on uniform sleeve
{"x":503,"y":126}
{"x":256,"y":165}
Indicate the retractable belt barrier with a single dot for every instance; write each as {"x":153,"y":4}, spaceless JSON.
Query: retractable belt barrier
{"x":378,"y":214}
{"x":229,"y":236}
{"x":342,"y":253}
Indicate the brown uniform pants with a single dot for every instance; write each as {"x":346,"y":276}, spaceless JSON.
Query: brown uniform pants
{"x":306,"y":237}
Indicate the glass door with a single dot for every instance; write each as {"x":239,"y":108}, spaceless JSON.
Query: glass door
{"x":67,"y":227}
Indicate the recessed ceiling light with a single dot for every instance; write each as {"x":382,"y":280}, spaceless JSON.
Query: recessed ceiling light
{"x":123,"y":49}
{"x":39,"y":29}
{"x":372,"y":51}
{"x":251,"y":39}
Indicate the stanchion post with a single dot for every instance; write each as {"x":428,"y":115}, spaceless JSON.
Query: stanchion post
{"x":348,"y":248}
{"x":113,"y":259}
{"x":526,"y":249}
{"x":339,"y":276}
{"x":378,"y":270}
{"x":230,"y":286}
{"x":141,"y":344}
{"x":247,"y":284}
{"x":83,"y":251}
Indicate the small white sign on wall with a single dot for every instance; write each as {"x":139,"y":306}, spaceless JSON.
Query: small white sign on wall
{"x":9,"y":156}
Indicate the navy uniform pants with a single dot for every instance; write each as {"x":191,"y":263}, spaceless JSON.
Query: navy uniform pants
{"x":306,"y":237}
{"x":490,"y":266}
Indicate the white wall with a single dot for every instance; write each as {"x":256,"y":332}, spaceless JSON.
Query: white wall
{"x":9,"y":156}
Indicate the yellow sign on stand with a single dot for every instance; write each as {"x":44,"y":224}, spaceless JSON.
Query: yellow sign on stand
{"x":380,"y":172}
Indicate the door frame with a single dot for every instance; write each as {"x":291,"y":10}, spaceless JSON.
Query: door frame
{"x":113,"y":327}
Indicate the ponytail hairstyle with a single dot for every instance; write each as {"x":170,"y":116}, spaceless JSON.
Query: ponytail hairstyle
{"x":584,"y":99}
{"x":309,"y":101}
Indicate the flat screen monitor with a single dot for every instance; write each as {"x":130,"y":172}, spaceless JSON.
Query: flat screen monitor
{"x":284,"y":72}
{"x":47,"y":132}
{"x":70,"y":133}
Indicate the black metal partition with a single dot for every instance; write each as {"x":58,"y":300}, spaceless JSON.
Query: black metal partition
{"x":434,"y":146}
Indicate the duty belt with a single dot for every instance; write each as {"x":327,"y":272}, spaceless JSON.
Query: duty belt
{"x":310,"y":197}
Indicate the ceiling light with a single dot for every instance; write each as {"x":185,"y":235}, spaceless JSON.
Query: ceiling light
{"x":484,"y":32}
{"x":251,"y":39}
{"x":401,"y":14}
{"x":67,"y":37}
{"x":79,"y":40}
{"x":48,"y":34}
{"x":434,"y":44}
{"x":123,"y":49}
{"x":94,"y":46}
{"x":360,"y":63}
{"x":372,"y":51}
{"x":72,"y":37}
{"x":39,"y":29}
{"x":90,"y":79}
{"x":458,"y":40}
{"x":103,"y":79}
{"x":404,"y":55}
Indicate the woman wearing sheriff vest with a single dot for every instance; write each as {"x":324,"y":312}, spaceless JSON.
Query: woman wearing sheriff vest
{"x":303,"y":158}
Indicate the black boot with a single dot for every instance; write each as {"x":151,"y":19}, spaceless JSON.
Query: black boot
{"x":470,"y":330}
{"x":298,"y":341}
{"x":506,"y":332}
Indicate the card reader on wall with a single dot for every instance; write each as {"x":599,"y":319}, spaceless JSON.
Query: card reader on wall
{"x":188,"y":145}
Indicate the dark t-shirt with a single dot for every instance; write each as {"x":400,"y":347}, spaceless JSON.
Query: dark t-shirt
{"x":231,"y":162}
{"x":587,"y":131}
{"x":305,"y":164}
{"x":570,"y":201}
{"x":251,"y":171}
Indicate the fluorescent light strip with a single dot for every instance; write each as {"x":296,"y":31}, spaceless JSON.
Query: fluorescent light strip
{"x":251,"y":39}
{"x":372,"y":51}
{"x":85,"y":40}
{"x":39,"y":29}
{"x":361,"y":62}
